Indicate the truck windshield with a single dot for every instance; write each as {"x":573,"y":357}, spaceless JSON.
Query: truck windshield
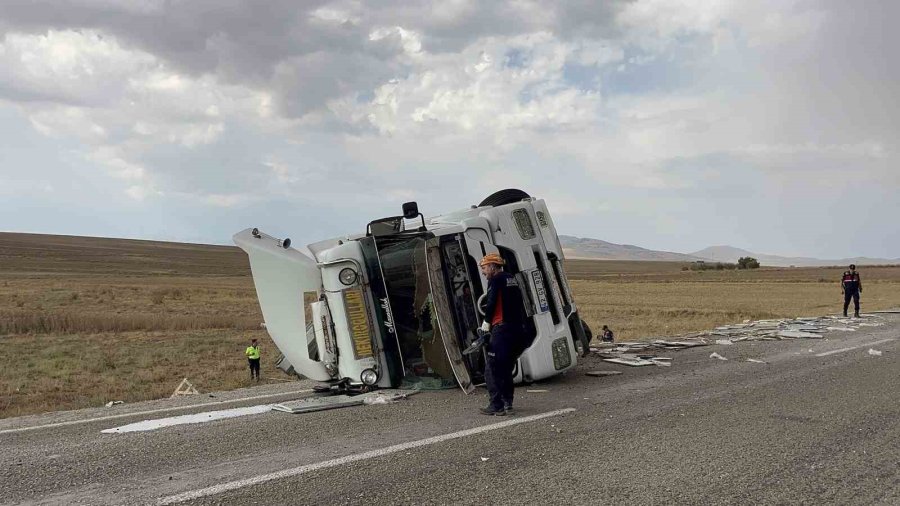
{"x":411,"y":309}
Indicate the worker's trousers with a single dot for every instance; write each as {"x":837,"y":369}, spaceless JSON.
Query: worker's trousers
{"x":502,"y":352}
{"x":254,"y":367}
{"x":855,"y":296}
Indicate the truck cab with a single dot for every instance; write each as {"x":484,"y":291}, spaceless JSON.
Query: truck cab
{"x":395,"y":307}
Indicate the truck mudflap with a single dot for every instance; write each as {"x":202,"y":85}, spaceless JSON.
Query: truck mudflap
{"x":281,"y":276}
{"x":444,"y":318}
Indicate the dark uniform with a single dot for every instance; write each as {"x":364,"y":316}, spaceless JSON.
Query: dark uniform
{"x":852,"y":287}
{"x":506,"y":314}
{"x":607,"y":335}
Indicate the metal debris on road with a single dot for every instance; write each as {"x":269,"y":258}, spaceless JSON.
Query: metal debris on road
{"x":795,"y":334}
{"x":113,"y":403}
{"x":537,"y":391}
{"x":638,"y":360}
{"x":790,"y":328}
{"x":387,"y":397}
{"x":310,"y":404}
{"x":639,"y":354}
{"x":874,"y":353}
{"x":629,"y":360}
{"x":756,"y":361}
{"x":602,"y":373}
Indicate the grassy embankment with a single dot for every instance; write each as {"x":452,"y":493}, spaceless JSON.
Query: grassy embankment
{"x":84,"y":321}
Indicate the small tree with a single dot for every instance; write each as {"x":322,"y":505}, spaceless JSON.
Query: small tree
{"x":748,"y":263}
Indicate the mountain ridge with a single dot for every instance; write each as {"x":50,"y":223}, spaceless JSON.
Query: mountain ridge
{"x":597,"y":249}
{"x":581,"y":247}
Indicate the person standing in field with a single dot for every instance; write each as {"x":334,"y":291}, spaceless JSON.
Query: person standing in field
{"x":504,"y":317}
{"x":851,"y":287}
{"x":606,"y":336}
{"x":252,"y":353}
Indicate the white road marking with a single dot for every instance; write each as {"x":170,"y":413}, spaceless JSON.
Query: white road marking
{"x":842,"y":350}
{"x":296,"y":471}
{"x":149,"y":412}
{"x":202,"y":417}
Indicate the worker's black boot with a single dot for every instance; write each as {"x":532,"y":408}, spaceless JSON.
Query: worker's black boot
{"x":856,"y":314}
{"x":845,"y":314}
{"x":491,"y":411}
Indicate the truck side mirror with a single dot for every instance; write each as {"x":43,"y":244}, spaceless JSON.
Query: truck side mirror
{"x":410,"y":210}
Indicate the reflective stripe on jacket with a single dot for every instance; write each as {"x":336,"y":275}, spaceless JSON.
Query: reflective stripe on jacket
{"x":850,"y":281}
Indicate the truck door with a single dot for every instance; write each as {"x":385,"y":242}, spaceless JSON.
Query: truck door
{"x":446,"y":326}
{"x":282,"y":275}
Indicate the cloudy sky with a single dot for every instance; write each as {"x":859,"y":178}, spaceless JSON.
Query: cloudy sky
{"x":767,"y":125}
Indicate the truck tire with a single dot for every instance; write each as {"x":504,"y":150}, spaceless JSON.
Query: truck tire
{"x":503,"y":197}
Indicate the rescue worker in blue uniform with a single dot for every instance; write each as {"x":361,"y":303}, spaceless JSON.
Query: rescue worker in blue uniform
{"x":504,"y":317}
{"x":851,"y":287}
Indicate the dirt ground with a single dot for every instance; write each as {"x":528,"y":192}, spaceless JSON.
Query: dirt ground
{"x":94,"y":320}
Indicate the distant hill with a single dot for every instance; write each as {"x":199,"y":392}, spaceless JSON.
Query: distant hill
{"x":578,"y":247}
{"x":582,"y":247}
{"x":731,"y":254}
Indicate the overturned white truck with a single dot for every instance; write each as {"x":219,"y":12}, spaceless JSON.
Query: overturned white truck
{"x":395,"y":307}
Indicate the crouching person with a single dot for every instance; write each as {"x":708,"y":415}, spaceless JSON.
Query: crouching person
{"x":505,"y":319}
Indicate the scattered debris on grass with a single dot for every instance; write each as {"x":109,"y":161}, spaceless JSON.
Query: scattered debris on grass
{"x":716,"y":355}
{"x":113,"y":403}
{"x":756,"y":361}
{"x":874,"y":353}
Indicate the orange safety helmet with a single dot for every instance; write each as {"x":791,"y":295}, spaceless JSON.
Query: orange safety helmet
{"x":492,"y":258}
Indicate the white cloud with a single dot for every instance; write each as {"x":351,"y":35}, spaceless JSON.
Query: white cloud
{"x":646,"y":98}
{"x":495,"y":89}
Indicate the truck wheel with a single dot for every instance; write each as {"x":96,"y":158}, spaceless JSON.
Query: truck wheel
{"x":503,"y":197}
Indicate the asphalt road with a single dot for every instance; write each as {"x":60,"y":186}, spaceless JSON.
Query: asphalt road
{"x":816,"y":424}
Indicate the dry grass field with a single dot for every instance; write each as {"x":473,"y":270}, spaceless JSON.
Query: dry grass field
{"x":641,"y":300}
{"x":84,"y":320}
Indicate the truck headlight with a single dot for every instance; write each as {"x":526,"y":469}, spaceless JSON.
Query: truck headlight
{"x":369,"y":377}
{"x":348,"y":276}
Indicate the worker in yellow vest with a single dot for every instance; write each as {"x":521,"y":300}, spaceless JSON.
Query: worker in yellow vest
{"x":252,"y":353}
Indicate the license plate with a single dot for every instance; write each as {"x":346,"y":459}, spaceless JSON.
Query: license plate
{"x":541,"y":291}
